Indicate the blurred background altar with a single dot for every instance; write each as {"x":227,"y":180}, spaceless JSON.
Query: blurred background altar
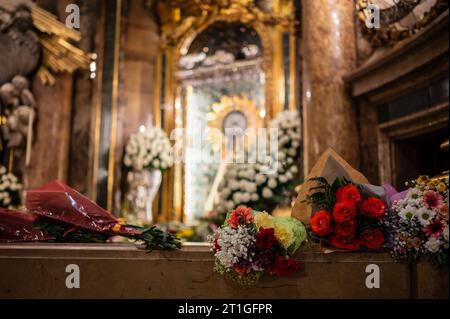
{"x":72,"y":94}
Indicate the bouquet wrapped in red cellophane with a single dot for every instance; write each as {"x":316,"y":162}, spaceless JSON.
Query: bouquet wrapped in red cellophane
{"x":64,"y":215}
{"x":19,"y":226}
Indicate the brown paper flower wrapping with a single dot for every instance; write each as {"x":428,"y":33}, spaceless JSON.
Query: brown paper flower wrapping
{"x":330,"y":166}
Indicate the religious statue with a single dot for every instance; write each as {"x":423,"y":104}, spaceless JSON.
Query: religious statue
{"x":33,"y":41}
{"x":19,"y":43}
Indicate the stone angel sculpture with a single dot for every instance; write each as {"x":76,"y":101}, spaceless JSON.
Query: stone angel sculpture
{"x":32,"y":41}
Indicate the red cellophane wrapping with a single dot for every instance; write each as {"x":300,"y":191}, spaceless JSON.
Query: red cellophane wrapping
{"x":57,"y":201}
{"x":17,"y":226}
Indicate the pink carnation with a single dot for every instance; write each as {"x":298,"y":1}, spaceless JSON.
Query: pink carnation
{"x":433,"y":200}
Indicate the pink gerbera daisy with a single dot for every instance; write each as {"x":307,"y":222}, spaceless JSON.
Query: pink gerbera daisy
{"x":435,"y":228}
{"x":433,"y":200}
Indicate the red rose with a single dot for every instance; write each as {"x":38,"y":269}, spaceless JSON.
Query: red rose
{"x":348,"y":193}
{"x":265,"y":238}
{"x":372,"y":238}
{"x":374,"y":208}
{"x":343,"y":242}
{"x":284,"y":267}
{"x":241,"y":216}
{"x":344,"y":211}
{"x":346,"y":228}
{"x":321,"y":223}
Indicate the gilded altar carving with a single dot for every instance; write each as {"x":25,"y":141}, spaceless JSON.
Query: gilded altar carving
{"x":180,"y":17}
{"x":34,"y":38}
{"x":181,"y":21}
{"x":398,"y":19}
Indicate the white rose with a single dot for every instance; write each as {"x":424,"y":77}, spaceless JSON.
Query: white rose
{"x":267,"y":193}
{"x":289,"y":176}
{"x":260,"y":179}
{"x":225,"y":193}
{"x":433,"y":245}
{"x":294,"y":169}
{"x":229,"y":205}
{"x":245,"y":197}
{"x":272,"y":183}
{"x":283,"y":179}
{"x":251,"y":187}
{"x":255,"y":197}
{"x":281,"y":156}
{"x":237,"y":198}
{"x":292,"y":152}
{"x":234,"y":185}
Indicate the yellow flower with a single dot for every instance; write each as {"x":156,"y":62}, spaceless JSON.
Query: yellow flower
{"x":284,"y":235}
{"x":185,"y":233}
{"x":431,"y":185}
{"x":264,"y":220}
{"x":441,"y":187}
{"x":423,"y":180}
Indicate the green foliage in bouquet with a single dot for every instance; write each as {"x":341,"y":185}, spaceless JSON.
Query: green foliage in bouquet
{"x":156,"y":239}
{"x":248,"y":280}
{"x":298,"y":229}
{"x":323,"y":196}
{"x":152,"y":237}
{"x":66,"y":234}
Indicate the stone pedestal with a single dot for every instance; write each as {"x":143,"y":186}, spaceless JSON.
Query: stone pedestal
{"x":124,"y":271}
{"x":329,"y":52}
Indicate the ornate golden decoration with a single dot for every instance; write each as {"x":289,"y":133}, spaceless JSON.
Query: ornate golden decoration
{"x":390,"y":32}
{"x":59,"y":55}
{"x":226,"y":106}
{"x":181,"y":16}
{"x":182,"y":21}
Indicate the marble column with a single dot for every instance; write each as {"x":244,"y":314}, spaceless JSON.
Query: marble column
{"x":329,"y":52}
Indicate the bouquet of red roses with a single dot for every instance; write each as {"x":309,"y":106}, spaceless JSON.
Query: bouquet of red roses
{"x":346,"y":216}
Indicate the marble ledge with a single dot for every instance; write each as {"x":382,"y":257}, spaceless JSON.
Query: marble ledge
{"x":115,"y":271}
{"x":118,"y":251}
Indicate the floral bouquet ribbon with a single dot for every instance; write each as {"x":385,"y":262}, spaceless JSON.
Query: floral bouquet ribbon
{"x":252,"y":244}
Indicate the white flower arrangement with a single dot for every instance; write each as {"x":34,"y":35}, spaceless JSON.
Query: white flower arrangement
{"x":246,"y":184}
{"x":150,"y":149}
{"x":420,"y":221}
{"x":9,"y":189}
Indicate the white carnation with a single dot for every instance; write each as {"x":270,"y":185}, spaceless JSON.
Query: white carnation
{"x":433,"y":245}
